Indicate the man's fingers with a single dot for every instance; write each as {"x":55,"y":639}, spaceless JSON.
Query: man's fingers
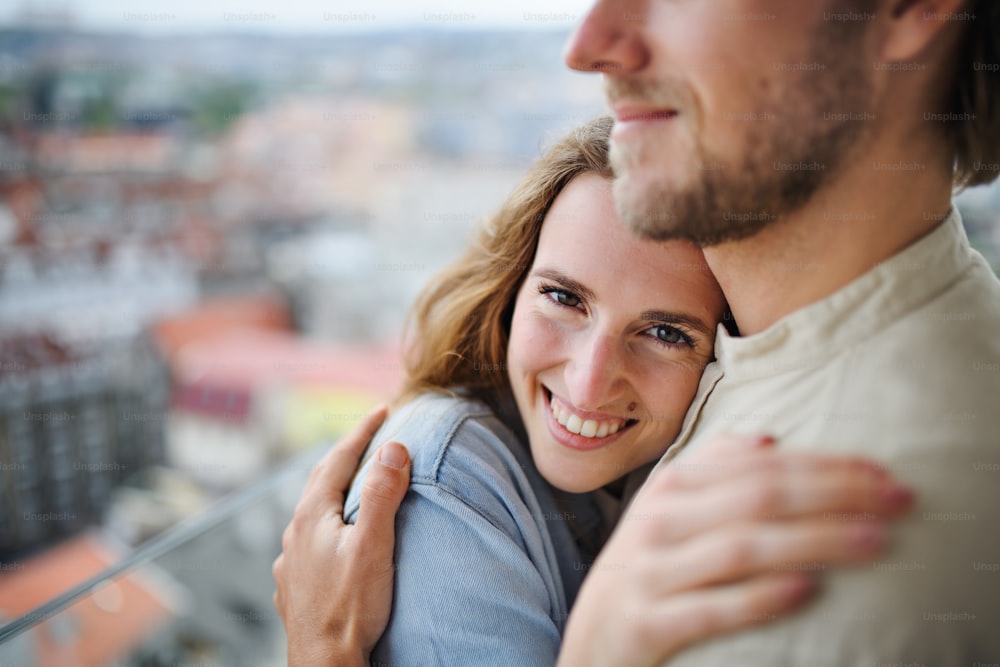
{"x":332,"y":474}
{"x":277,"y":571}
{"x":383,"y":491}
{"x":355,"y":442}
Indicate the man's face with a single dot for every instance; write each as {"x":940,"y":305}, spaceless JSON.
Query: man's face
{"x":730,"y":113}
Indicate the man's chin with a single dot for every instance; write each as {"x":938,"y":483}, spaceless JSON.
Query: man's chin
{"x":646,"y":211}
{"x":658,"y":216}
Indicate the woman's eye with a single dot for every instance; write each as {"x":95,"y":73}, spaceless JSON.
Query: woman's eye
{"x":562,"y":297}
{"x":671,"y":335}
{"x":565,"y":298}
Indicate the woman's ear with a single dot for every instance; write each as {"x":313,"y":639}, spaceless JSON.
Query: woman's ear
{"x":913,"y":25}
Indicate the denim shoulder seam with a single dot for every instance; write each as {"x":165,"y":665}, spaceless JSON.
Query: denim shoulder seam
{"x":481,"y":511}
{"x":435,"y":479}
{"x":449,"y":439}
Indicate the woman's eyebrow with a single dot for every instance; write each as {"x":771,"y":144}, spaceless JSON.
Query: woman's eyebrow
{"x":574,"y":286}
{"x":678,"y":318}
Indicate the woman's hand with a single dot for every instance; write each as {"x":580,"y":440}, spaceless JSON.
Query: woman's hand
{"x":334,"y":581}
{"x":730,"y":536}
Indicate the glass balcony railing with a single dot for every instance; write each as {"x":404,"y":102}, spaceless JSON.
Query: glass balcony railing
{"x":198,"y":594}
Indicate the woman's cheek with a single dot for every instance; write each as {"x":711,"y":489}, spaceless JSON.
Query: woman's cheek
{"x":536,"y":341}
{"x":667,"y":395}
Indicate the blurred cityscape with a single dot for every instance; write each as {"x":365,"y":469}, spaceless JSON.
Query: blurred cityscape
{"x":208,"y":244}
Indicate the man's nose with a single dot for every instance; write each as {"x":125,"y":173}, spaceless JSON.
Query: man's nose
{"x":609,"y":38}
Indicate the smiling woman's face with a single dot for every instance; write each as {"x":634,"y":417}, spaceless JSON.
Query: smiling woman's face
{"x":608,"y":341}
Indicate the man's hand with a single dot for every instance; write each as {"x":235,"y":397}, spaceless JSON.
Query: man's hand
{"x":334,"y":581}
{"x":725,"y":538}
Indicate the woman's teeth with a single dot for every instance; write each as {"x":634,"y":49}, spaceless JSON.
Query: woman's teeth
{"x":588,"y":428}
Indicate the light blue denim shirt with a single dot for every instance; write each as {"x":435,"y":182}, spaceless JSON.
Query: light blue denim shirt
{"x":489,"y":557}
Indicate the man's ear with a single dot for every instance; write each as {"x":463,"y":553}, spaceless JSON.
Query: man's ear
{"x":914,"y":24}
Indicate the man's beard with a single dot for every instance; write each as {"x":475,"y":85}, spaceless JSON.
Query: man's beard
{"x":783,"y":166}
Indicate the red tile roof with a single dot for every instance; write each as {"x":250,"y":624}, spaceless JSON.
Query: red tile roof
{"x":100,"y":628}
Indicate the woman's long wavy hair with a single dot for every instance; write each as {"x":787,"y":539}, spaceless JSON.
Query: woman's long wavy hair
{"x":458,"y":328}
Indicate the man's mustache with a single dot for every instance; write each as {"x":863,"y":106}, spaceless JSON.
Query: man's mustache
{"x":656,"y":94}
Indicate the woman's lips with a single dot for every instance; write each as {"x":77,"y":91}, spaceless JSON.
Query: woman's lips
{"x":588,"y":426}
{"x":581,"y":432}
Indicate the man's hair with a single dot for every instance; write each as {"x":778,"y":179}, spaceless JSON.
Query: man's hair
{"x":976,"y":98}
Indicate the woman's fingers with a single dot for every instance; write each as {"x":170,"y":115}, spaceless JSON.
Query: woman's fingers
{"x":714,"y":464}
{"x":835,"y":492}
{"x":741,"y":551}
{"x":691,"y":617}
{"x":832,"y":492}
{"x":726,"y":537}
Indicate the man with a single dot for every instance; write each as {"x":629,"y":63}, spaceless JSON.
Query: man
{"x":812,"y":148}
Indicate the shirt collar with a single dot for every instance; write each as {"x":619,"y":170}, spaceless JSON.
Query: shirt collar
{"x":592,"y":515}
{"x":811,"y":335}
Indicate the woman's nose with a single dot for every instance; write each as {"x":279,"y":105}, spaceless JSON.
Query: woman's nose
{"x":595,"y":375}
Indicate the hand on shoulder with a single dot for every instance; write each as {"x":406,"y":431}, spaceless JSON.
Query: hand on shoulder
{"x":328,"y":617}
{"x":723,"y":539}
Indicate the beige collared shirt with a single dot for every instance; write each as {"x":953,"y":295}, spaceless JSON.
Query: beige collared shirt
{"x":902,"y":365}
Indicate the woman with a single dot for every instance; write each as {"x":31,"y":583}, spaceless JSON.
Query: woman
{"x":557,"y":356}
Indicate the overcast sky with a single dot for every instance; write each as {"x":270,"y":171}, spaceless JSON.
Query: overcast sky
{"x":309,"y":15}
